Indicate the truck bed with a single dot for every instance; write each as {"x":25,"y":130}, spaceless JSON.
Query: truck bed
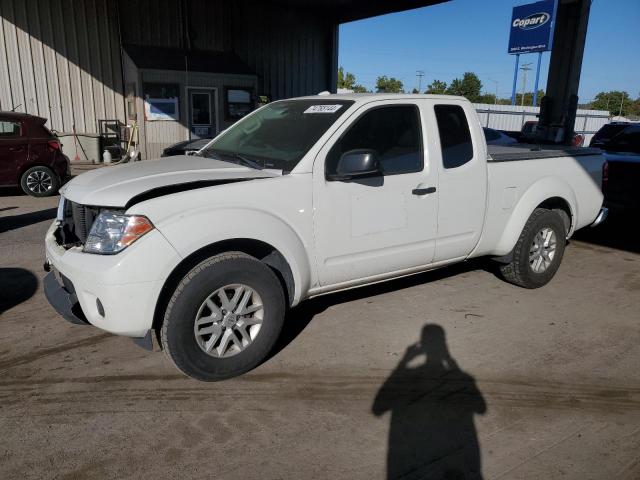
{"x":525,"y":151}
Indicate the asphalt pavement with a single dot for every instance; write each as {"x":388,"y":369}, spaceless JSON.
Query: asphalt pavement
{"x":454,"y":371}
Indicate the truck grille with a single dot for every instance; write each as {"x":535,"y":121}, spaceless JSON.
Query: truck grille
{"x":76,"y":223}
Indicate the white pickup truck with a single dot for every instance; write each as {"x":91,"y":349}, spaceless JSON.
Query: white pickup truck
{"x":301,"y":198}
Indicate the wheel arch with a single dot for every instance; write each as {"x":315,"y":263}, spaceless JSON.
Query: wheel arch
{"x":549,"y":192}
{"x":259,"y":249}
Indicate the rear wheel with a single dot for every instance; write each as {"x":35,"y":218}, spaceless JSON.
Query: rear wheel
{"x":40,"y":181}
{"x":224,"y":317}
{"x":538,"y":252}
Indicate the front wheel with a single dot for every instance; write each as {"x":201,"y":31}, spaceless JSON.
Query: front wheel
{"x":538,"y":251}
{"x":224,"y":317}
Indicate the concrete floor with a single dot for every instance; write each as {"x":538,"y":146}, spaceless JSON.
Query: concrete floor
{"x":518,"y":383}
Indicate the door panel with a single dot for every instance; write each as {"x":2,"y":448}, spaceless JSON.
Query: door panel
{"x":461,"y":159}
{"x":202,"y":115}
{"x":374,"y":226}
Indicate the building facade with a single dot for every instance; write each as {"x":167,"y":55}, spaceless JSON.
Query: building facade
{"x":174,"y":69}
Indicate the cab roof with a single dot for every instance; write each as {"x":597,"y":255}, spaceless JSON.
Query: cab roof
{"x":368,"y":97}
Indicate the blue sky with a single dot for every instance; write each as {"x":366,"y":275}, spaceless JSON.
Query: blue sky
{"x":448,"y":39}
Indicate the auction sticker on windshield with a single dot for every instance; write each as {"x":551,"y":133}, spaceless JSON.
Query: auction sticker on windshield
{"x":323,"y":109}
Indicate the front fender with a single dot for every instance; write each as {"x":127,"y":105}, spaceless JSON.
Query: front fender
{"x":538,"y":192}
{"x":200,"y":229}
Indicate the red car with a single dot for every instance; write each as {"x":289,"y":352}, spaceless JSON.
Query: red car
{"x":30,"y":155}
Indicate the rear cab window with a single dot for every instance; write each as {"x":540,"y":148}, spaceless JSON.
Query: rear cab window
{"x":455,"y":136}
{"x":627,"y":141}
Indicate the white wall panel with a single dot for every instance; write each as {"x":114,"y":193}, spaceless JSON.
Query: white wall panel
{"x":60,"y":59}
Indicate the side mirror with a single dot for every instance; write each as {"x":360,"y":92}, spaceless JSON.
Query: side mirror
{"x":359,"y":163}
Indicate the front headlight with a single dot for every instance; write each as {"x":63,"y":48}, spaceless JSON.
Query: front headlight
{"x":112,"y":232}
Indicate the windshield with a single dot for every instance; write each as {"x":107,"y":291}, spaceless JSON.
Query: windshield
{"x":278,"y":135}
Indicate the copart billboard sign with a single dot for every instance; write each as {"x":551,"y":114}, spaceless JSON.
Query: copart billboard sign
{"x":531,"y":27}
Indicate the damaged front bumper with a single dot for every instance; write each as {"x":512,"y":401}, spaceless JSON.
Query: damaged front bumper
{"x":62,"y":297}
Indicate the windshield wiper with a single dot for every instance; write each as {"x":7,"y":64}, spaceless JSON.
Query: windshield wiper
{"x":247,"y":162}
{"x":238,"y":158}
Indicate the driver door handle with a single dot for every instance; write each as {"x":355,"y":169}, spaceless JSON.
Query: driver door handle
{"x":423,"y":190}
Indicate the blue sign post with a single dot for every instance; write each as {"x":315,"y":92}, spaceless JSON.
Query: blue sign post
{"x":531,"y":31}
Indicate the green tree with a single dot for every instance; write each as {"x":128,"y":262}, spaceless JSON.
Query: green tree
{"x":347,"y":80}
{"x":528,"y":98}
{"x":386,"y":84}
{"x":468,"y":86}
{"x":437,"y":87}
{"x":487,"y":98}
{"x":616,"y":102}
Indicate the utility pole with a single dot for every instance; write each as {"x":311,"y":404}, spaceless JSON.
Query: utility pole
{"x":621,"y":104}
{"x":496,"y":82}
{"x":525,"y":68}
{"x":420,"y":74}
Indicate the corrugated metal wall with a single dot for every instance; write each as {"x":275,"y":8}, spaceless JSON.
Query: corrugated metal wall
{"x":61,"y":61}
{"x":512,"y":118}
{"x":289,"y":49}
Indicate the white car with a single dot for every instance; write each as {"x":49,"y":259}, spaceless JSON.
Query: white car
{"x":301,"y":198}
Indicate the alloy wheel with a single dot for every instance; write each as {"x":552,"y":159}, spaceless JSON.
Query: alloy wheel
{"x":229,"y":320}
{"x":543,"y":249}
{"x":39,"y":181}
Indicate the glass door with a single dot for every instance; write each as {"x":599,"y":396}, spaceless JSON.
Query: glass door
{"x":202,"y":115}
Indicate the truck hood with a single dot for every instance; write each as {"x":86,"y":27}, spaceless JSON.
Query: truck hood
{"x":122,"y":185}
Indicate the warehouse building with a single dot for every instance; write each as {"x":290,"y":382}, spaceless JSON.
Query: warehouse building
{"x":174,"y":70}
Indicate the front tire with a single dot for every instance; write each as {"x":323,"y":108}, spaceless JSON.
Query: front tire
{"x":224,"y":317}
{"x":538,"y":252}
{"x":40,"y":181}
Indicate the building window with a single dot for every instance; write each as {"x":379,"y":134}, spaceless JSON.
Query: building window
{"x":161,"y":101}
{"x":238,"y":102}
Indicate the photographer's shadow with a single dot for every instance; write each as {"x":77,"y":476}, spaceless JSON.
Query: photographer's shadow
{"x":432,"y":404}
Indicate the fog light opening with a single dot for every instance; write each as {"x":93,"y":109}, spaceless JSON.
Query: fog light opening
{"x":100,"y":307}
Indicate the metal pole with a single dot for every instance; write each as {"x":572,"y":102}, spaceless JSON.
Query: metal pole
{"x":420,"y":74}
{"x":525,"y":68}
{"x":535,"y":89}
{"x":515,"y":80}
{"x":496,"y":82}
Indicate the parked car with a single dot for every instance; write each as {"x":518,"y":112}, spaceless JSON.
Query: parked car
{"x":621,"y":179}
{"x":301,"y":198}
{"x":30,"y":155}
{"x":607,"y":132}
{"x":185,"y":147}
{"x":528,"y":134}
{"x":496,"y":137}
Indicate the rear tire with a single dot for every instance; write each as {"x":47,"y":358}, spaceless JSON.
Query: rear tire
{"x":538,"y":251}
{"x":40,"y":181}
{"x":224,"y":317}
